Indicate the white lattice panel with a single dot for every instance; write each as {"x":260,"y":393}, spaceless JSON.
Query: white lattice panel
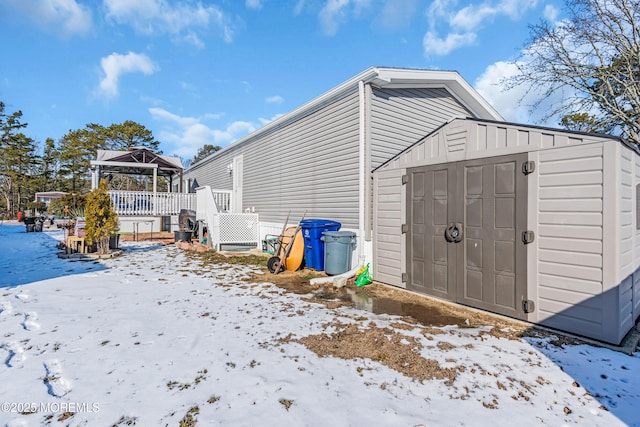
{"x":235,"y":228}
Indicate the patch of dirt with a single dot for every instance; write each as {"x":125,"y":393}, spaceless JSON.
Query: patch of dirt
{"x":394,"y":350}
{"x":210,"y":257}
{"x":451,"y":313}
{"x":296,"y":282}
{"x":385,"y":345}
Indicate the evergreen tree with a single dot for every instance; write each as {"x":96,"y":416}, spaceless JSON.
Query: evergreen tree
{"x":203,"y":152}
{"x":77,"y":149}
{"x":49,"y":167}
{"x":15,"y":148}
{"x":101,"y":218}
{"x":18,"y":176}
{"x":125,"y":136}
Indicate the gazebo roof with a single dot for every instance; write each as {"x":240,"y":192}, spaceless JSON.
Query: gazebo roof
{"x":137,"y":161}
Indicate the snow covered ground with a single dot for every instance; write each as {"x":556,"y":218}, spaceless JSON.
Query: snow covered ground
{"x":150,"y":338}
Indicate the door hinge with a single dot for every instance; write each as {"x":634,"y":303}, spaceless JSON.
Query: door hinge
{"x":528,"y":167}
{"x":405,"y":179}
{"x":528,"y":306}
{"x":404,"y":278}
{"x":405,"y":228}
{"x":527,"y":237}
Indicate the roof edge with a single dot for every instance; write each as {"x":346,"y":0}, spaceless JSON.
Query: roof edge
{"x":383,"y":77}
{"x":623,"y":141}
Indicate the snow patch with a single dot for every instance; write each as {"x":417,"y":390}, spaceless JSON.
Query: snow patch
{"x":16,"y":353}
{"x":57,"y":385}
{"x":30,"y":321}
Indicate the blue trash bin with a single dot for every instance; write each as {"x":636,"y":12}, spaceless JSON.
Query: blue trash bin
{"x":312,"y":230}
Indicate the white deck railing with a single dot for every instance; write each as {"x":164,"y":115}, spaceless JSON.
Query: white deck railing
{"x":142,"y":203}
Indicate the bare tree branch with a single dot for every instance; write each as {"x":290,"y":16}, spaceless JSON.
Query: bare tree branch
{"x":591,"y":59}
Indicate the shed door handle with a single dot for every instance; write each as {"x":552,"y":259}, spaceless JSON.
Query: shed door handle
{"x":453,"y":233}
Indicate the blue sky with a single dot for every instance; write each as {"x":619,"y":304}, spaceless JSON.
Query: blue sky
{"x":202,"y":72}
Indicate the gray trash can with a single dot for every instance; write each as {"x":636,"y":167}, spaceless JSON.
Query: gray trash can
{"x":338,"y":247}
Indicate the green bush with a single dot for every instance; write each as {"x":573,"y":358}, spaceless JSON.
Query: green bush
{"x":101,"y":219}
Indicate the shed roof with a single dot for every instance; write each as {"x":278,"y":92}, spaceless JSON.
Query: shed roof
{"x":382,"y":77}
{"x":543,"y":129}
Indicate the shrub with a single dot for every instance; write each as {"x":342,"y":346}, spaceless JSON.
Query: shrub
{"x":101,"y":219}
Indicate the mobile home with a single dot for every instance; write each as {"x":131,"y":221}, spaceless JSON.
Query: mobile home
{"x":318,"y":158}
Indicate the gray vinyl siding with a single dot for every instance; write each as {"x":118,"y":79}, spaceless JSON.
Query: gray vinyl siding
{"x":387,"y":221}
{"x":399,"y":117}
{"x":309,"y":165}
{"x":214,"y":173}
{"x":570,"y":239}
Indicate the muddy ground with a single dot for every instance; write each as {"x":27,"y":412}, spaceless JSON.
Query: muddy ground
{"x":365,"y":339}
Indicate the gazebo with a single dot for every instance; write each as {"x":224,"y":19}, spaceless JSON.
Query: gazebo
{"x":152,"y":207}
{"x":137,"y":161}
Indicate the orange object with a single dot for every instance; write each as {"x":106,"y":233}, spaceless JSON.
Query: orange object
{"x":294,"y":259}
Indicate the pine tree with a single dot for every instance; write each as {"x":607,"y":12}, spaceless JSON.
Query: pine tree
{"x":101,"y":218}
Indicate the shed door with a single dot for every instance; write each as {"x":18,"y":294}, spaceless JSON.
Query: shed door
{"x":483,"y":205}
{"x":431,"y":206}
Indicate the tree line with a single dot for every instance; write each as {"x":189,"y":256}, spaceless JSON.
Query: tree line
{"x":28,"y":166}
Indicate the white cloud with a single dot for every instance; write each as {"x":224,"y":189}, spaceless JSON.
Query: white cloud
{"x":162,"y":16}
{"x":335,"y":12}
{"x":435,"y":45}
{"x":264,"y":121}
{"x":297,"y":10}
{"x":253,"y":4}
{"x":193,"y":39}
{"x":462,"y":25}
{"x":513,"y":104}
{"x":65,"y":17}
{"x":551,"y":12}
{"x":188,"y":134}
{"x":115,"y":65}
{"x":331,"y":14}
{"x":189,"y":87}
{"x":276,"y":99}
{"x":397,"y":13}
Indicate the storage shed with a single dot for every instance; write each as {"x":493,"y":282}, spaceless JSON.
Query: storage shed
{"x":318,"y":158}
{"x":534,"y":223}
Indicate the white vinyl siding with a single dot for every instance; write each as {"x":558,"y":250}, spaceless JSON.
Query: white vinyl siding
{"x":636,"y":243}
{"x":570,"y":235}
{"x":629,"y":288}
{"x":388,"y":219}
{"x":399,"y":117}
{"x":627,"y":211}
{"x":470,"y":139}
